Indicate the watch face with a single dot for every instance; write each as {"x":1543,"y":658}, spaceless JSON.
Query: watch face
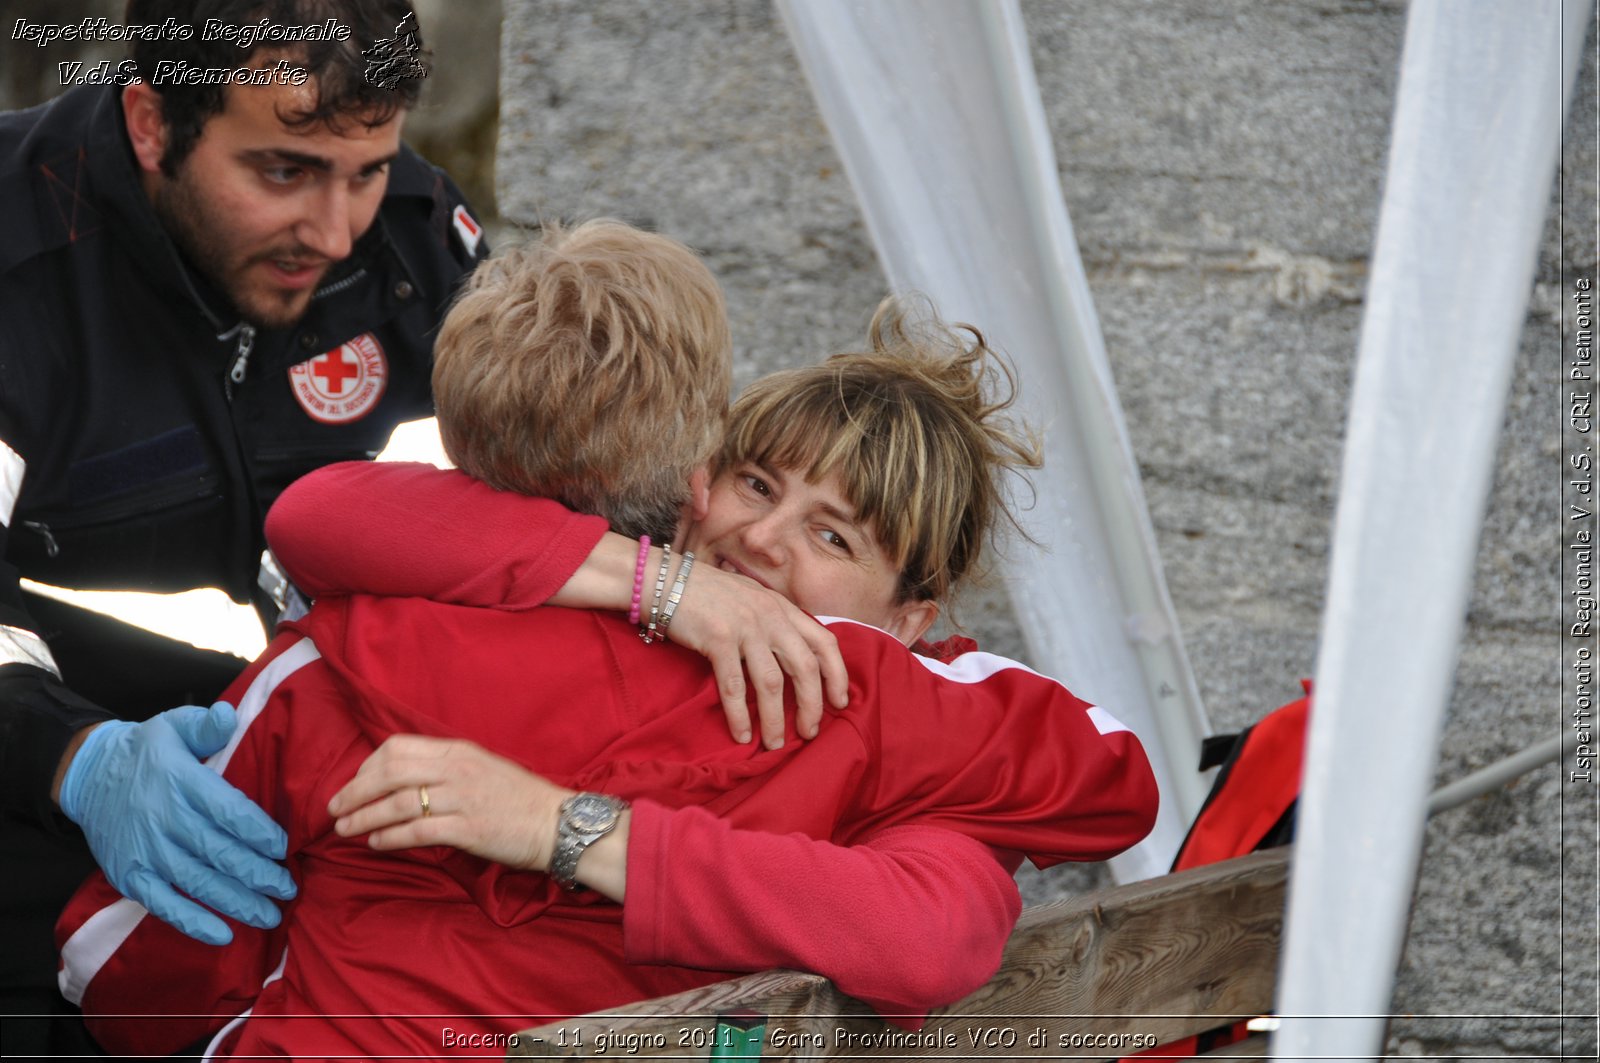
{"x":590,"y":812}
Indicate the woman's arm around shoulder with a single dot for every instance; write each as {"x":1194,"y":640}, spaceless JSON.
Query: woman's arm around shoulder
{"x":413,"y":530}
{"x":409,"y":529}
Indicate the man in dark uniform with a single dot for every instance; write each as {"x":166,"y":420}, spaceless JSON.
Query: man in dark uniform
{"x":213,"y":279}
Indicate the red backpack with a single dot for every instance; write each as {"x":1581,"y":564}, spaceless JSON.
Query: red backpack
{"x":1250,"y":807}
{"x":1252,"y":802}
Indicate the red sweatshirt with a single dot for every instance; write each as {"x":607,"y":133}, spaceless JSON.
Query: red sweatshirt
{"x":442,"y":933}
{"x":906,"y":921}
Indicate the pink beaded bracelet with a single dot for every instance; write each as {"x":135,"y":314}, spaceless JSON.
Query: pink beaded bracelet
{"x":638,"y":578}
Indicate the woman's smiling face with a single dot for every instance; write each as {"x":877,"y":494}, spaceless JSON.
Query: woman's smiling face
{"x":804,"y":541}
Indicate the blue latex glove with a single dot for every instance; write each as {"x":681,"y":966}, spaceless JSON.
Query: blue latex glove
{"x":157,"y":818}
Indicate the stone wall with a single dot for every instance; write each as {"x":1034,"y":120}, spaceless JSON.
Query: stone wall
{"x":1222,"y":163}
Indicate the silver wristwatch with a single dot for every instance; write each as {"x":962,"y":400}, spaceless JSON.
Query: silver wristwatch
{"x":585,"y":819}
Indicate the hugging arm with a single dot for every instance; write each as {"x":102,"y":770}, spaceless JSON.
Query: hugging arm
{"x":909,"y":918}
{"x":414,"y":530}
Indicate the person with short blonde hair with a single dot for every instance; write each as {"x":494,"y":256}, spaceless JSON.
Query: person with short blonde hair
{"x":549,"y":369}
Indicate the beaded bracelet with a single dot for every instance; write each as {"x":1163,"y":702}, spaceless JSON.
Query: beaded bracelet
{"x":647,"y":631}
{"x":677,"y":593}
{"x":638,"y":578}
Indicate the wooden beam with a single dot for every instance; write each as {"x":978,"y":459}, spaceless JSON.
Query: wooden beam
{"x":1159,"y":959}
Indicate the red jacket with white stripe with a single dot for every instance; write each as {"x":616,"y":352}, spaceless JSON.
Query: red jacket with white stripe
{"x":983,"y":746}
{"x":905,"y":920}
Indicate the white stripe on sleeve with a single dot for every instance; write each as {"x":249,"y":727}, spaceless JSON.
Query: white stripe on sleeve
{"x":11,"y":469}
{"x":977,"y":666}
{"x":93,"y":943}
{"x":255,"y":696}
{"x":20,"y":646}
{"x":1106,"y":723}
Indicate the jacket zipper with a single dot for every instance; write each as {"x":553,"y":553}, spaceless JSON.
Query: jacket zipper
{"x":138,"y":503}
{"x":241,"y":357}
{"x":245,"y":345}
{"x":340,"y":285}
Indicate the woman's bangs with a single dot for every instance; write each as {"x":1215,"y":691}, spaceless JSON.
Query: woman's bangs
{"x":869,"y":439}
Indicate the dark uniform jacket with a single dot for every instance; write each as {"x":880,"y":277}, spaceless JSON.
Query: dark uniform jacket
{"x":144,"y":429}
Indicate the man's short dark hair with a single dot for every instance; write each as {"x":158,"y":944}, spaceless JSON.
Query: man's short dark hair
{"x":337,"y":68}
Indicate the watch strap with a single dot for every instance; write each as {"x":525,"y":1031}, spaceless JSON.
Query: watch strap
{"x":571,"y":841}
{"x":564,"y":861}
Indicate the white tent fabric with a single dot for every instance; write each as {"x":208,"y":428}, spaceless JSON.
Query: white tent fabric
{"x":935,"y":110}
{"x":1476,"y":134}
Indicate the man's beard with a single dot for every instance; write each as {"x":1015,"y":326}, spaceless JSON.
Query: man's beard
{"x":204,"y":237}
